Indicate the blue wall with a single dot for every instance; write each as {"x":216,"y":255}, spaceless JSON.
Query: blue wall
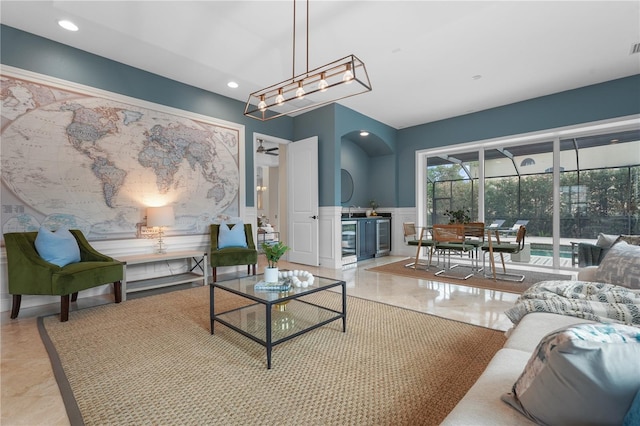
{"x":334,"y":124}
{"x":390,"y":168}
{"x":356,"y":161}
{"x":616,"y":98}
{"x":29,"y":52}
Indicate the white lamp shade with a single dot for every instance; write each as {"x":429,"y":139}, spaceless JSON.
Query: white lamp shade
{"x":160,"y":216}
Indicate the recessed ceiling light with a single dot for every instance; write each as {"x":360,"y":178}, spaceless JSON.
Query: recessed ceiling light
{"x":477,"y":77}
{"x":68,"y":25}
{"x":364,"y":133}
{"x":232,"y":84}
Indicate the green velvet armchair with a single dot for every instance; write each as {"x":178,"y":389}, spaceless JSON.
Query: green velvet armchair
{"x":30,"y":274}
{"x":233,"y":256}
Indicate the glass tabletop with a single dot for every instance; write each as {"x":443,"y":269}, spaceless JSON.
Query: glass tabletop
{"x":246,"y":287}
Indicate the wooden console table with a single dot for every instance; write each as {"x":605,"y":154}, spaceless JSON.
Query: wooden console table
{"x":195,"y":259}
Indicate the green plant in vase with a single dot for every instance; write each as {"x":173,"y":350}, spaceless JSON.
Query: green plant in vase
{"x":458,"y":216}
{"x":273,"y":252}
{"x":374,"y":206}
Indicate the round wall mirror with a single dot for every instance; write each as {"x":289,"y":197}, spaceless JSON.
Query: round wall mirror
{"x":347,"y":186}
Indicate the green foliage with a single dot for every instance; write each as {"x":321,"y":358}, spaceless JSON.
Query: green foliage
{"x":274,"y":252}
{"x":373,"y":204}
{"x":458,"y":216}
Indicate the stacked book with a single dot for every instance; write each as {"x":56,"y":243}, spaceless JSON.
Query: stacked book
{"x":281,"y":285}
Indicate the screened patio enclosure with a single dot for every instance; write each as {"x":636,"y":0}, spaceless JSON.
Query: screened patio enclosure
{"x":569,"y":189}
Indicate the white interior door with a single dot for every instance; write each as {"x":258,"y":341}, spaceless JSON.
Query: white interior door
{"x":302,"y":200}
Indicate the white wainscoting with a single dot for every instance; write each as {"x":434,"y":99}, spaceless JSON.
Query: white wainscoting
{"x":127,"y":247}
{"x":330,"y":239}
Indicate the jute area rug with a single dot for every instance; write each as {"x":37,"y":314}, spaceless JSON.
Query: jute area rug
{"x":477,"y":280}
{"x":153,"y":361}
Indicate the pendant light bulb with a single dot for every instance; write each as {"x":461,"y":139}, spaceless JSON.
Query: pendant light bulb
{"x":279,"y":98}
{"x":300,"y":92}
{"x":347,"y":77}
{"x":322,"y":84}
{"x":262,"y":105}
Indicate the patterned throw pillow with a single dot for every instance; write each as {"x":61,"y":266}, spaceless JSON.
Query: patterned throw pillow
{"x":633,"y":415}
{"x":634,"y":240}
{"x":581,"y":374}
{"x":620,"y":266}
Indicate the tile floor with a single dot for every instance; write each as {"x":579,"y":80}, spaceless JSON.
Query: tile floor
{"x":30,"y":395}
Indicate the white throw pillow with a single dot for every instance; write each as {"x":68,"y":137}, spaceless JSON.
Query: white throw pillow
{"x":606,"y":240}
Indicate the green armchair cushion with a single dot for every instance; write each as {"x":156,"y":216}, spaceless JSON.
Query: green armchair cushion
{"x":59,"y":248}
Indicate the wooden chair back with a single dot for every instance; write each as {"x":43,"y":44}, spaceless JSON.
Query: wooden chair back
{"x":474,"y":230}
{"x":522,"y":232}
{"x":449,"y":233}
{"x":409,"y":229}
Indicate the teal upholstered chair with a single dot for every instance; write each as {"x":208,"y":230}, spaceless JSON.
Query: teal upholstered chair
{"x":233,"y":256}
{"x":30,"y":274}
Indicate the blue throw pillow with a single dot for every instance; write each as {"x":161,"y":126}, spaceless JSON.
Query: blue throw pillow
{"x":233,"y":237}
{"x":633,"y":415}
{"x":59,"y":248}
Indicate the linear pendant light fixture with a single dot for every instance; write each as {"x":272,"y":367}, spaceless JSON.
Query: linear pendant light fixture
{"x":329,"y":83}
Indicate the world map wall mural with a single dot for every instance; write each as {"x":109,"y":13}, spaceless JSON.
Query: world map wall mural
{"x":94,"y":161}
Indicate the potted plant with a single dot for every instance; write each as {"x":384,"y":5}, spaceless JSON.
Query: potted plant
{"x":273,"y":252}
{"x":458,"y":216}
{"x":374,"y":206}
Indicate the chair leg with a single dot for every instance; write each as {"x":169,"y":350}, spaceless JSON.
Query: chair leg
{"x":493,"y":264}
{"x":74,"y":297}
{"x":15,"y":308}
{"x":254,"y":268}
{"x":117,"y":291}
{"x":248,"y":269}
{"x":215,"y":275}
{"x":504,"y":269}
{"x":64,"y":308}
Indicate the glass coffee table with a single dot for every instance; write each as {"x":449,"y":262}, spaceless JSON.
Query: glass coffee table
{"x":275,"y":317}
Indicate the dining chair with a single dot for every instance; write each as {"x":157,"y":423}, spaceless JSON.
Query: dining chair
{"x":474,"y":233}
{"x":499,"y":247}
{"x":413,"y":238}
{"x":447,"y":239}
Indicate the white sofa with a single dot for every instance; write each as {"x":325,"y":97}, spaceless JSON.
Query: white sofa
{"x":482,"y":405}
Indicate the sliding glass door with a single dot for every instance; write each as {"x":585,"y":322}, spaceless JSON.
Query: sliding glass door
{"x":566,"y":188}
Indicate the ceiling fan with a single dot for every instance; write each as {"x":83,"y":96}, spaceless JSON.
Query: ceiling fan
{"x":262,"y":150}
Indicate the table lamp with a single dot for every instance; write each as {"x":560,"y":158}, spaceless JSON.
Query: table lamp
{"x":159,"y":217}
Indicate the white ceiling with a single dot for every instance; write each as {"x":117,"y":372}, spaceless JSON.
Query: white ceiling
{"x":421,"y":56}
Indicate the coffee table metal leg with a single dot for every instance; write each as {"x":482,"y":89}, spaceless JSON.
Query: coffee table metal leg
{"x":211,"y":303}
{"x":268,"y":336}
{"x":344,"y":308}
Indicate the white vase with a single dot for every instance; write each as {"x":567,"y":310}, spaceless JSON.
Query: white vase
{"x":271,"y":275}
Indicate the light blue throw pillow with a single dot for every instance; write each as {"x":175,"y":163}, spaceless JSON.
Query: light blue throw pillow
{"x":232,"y":237}
{"x":59,"y":248}
{"x":581,"y":374}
